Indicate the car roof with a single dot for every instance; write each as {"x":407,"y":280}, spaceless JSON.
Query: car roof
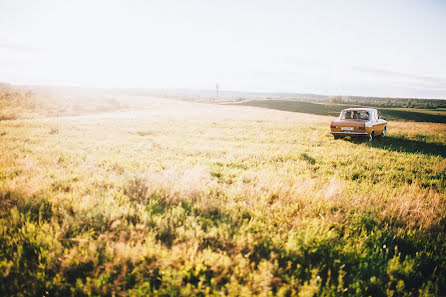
{"x":360,"y":108}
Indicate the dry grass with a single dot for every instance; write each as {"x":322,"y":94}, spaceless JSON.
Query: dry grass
{"x":183,"y":199}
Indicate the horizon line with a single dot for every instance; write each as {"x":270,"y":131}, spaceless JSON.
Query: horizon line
{"x":80,"y":86}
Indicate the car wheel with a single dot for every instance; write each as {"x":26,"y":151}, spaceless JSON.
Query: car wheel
{"x":372,"y":134}
{"x":384,"y":132}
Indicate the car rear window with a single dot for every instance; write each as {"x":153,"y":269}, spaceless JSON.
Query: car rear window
{"x":355,"y":115}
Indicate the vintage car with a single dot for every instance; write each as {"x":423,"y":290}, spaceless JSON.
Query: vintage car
{"x":359,"y":122}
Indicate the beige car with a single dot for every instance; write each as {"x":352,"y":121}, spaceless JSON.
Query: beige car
{"x":362,"y":122}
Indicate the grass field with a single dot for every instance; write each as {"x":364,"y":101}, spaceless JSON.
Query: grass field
{"x":186,"y":199}
{"x":393,"y":114}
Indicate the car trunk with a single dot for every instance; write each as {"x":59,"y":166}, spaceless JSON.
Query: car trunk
{"x":344,"y":125}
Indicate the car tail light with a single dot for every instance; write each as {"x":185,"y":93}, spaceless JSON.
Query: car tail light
{"x":361,"y":128}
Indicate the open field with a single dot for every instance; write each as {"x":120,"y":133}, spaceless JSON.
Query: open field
{"x":181,"y":198}
{"x":393,"y":114}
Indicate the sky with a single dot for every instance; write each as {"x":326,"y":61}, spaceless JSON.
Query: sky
{"x":373,"y":48}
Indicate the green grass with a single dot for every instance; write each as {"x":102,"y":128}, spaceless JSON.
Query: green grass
{"x":391,"y":114}
{"x":184,"y":199}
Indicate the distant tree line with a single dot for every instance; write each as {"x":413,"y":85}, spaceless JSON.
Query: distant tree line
{"x":390,"y":102}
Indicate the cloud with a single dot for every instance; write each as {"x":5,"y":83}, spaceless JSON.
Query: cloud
{"x":18,"y":47}
{"x":408,"y":80}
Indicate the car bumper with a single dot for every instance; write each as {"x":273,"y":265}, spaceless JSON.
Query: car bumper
{"x":349,"y":133}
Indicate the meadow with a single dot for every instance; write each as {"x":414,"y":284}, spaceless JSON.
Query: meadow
{"x":185,"y":199}
{"x":434,"y":115}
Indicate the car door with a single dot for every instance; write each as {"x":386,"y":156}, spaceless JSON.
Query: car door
{"x":374,"y":122}
{"x":379,"y":124}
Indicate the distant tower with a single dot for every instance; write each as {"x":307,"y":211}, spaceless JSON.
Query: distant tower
{"x":217,"y":90}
